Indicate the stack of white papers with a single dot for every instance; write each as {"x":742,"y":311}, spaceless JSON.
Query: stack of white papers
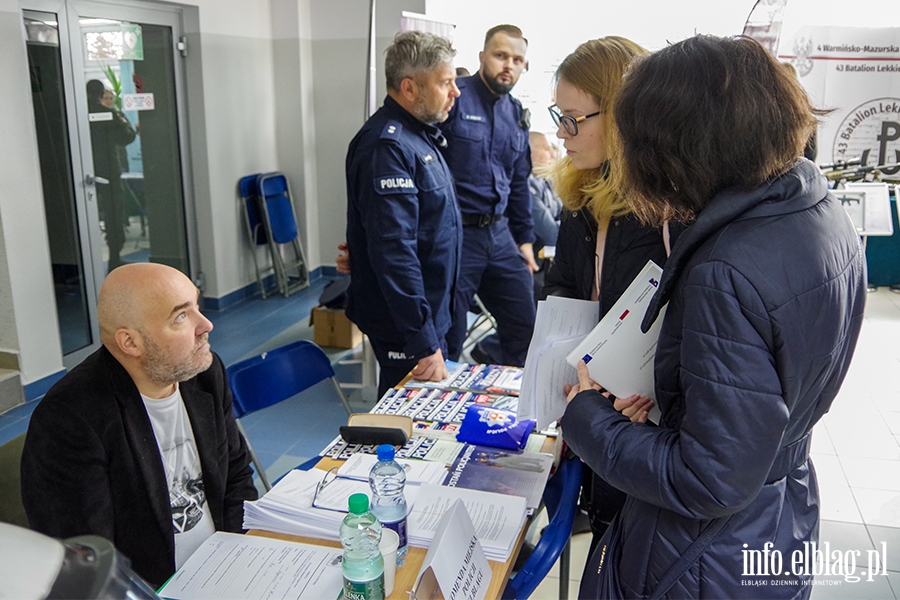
{"x":293,"y":506}
{"x":288,"y":507}
{"x":560,"y":325}
{"x":498,"y":519}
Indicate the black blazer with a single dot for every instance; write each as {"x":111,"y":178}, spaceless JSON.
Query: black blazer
{"x":91,"y":464}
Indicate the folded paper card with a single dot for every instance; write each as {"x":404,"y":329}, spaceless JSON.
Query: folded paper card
{"x":490,"y":426}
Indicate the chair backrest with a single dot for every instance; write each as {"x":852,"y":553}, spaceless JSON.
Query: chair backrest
{"x":248,"y":190}
{"x":11,"y":508}
{"x":273,"y":376}
{"x":561,"y":500}
{"x":276,"y":194}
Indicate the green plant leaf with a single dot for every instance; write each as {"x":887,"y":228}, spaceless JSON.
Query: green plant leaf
{"x":116,"y":85}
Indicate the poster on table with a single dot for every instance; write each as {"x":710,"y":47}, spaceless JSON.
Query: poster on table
{"x":856,"y":72}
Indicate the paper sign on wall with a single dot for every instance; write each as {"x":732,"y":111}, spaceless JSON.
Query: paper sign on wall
{"x":137,"y":102}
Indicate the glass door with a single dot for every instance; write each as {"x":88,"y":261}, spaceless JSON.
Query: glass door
{"x":111,"y":137}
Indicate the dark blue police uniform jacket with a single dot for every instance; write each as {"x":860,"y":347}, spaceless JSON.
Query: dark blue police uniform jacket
{"x":487,"y":150}
{"x":403,"y":231}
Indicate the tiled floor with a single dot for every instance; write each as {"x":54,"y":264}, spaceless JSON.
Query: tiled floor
{"x":856,"y":447}
{"x":856,"y":451}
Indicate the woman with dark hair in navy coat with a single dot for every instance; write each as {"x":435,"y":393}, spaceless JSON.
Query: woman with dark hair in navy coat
{"x":765,"y":294}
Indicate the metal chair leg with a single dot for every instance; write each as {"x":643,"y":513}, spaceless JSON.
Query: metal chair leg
{"x":255,"y":459}
{"x":337,"y":388}
{"x":564,"y":561}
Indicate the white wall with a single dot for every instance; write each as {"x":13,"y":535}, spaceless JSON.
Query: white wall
{"x":28,"y":325}
{"x":294,"y":74}
{"x":232,"y":123}
{"x":554,"y":29}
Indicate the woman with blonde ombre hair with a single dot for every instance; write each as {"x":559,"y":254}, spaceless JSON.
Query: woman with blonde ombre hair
{"x":601,"y":245}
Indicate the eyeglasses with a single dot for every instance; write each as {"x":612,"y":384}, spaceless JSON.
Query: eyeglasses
{"x":570,"y":124}
{"x":332,"y":492}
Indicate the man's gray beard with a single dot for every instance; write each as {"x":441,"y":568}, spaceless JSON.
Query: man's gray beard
{"x":425,"y":117}
{"x":161,"y":371}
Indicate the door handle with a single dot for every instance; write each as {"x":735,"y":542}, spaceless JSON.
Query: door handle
{"x":91,"y":180}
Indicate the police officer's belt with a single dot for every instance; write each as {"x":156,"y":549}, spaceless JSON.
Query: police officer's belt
{"x":470,"y":220}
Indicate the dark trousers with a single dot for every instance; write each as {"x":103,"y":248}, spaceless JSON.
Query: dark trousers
{"x":492,"y":266}
{"x":112,"y":211}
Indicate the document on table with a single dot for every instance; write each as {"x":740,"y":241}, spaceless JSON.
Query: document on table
{"x":245,"y":567}
{"x":417,"y":471}
{"x":560,"y":325}
{"x":618,"y":355}
{"x":498,"y":519}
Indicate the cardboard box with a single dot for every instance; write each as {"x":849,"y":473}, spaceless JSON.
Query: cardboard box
{"x":331,"y":327}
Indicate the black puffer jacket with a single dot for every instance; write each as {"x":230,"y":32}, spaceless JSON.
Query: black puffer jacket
{"x":629,"y":245}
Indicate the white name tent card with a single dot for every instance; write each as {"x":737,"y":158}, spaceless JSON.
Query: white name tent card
{"x":455,"y":561}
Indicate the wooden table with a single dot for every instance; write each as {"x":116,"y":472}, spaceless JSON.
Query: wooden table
{"x":406,"y":575}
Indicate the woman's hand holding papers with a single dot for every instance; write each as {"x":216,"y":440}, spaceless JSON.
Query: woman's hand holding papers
{"x":584,"y":383}
{"x":635,"y":407}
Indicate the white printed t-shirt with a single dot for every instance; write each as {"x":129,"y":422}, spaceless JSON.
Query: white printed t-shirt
{"x":190,"y":512}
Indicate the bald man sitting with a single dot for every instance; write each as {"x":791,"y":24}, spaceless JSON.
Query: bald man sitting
{"x":138,"y":443}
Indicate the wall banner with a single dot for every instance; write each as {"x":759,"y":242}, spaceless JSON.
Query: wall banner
{"x":856,"y":72}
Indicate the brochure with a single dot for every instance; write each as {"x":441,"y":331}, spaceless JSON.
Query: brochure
{"x":507,"y":472}
{"x":618,"y":355}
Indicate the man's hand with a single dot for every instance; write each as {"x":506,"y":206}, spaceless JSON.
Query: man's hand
{"x":431,"y":368}
{"x":343,"y":259}
{"x":527,"y":251}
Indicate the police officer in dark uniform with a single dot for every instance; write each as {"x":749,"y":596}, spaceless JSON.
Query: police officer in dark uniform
{"x":488,"y":154}
{"x":403,"y":224}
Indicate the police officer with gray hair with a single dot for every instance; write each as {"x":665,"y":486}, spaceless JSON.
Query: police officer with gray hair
{"x":404,"y":232}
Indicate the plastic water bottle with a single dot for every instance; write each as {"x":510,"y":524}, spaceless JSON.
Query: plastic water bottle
{"x":362,"y":564}
{"x":387,"y":480}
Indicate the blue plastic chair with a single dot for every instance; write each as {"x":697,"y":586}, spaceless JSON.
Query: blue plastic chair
{"x":248,"y":191}
{"x":269,"y":218}
{"x":277,"y":211}
{"x":272,"y":377}
{"x":561,"y":500}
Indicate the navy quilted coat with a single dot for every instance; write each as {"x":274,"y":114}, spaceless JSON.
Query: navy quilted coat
{"x":765,"y":294}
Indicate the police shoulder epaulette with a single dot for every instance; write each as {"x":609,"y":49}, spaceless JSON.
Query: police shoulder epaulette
{"x":391,"y":130}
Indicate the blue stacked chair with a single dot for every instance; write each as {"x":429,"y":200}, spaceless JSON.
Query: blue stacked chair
{"x":270,"y":221}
